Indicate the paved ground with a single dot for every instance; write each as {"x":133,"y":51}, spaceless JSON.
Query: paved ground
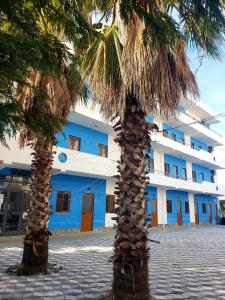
{"x":188,"y":264}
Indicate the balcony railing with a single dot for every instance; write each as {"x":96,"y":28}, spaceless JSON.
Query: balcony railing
{"x":178,"y":176}
{"x":182,"y":141}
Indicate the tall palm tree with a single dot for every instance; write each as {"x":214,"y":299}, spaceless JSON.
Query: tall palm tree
{"x":139,"y":68}
{"x":46,"y":101}
{"x":62,"y":93}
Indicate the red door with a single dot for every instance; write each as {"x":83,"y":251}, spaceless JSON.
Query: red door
{"x":87,"y":212}
{"x":196,"y":213}
{"x":179,"y":213}
{"x":154,"y":212}
{"x":210,"y":213}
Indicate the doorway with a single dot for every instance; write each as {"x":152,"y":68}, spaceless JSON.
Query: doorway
{"x":196,"y":213}
{"x":210,"y":213}
{"x":154,"y":212}
{"x":13,"y":204}
{"x":87,"y":212}
{"x":179,"y":212}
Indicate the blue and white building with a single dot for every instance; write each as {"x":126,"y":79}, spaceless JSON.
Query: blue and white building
{"x":183,"y":188}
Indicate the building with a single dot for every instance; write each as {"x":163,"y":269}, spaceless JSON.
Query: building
{"x":183,"y":166}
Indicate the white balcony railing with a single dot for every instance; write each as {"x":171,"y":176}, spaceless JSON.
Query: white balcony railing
{"x":185,"y":152}
{"x":159,"y":179}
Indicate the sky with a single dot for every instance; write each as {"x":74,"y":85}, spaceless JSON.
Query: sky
{"x":211,"y":81}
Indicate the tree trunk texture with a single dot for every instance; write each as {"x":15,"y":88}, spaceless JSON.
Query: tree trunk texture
{"x":35,"y":254}
{"x":131,"y":253}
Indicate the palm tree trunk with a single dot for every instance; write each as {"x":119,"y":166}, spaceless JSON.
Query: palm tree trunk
{"x":35,"y":254}
{"x":130,"y":261}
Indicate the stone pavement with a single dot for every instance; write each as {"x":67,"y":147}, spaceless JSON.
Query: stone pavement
{"x":189,"y":263}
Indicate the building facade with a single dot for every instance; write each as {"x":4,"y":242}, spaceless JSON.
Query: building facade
{"x":183,"y":167}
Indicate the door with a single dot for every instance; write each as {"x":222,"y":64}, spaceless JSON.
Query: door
{"x":87,"y":212}
{"x":154,"y":212}
{"x":179,"y":212}
{"x":210,"y":213}
{"x":196,"y":213}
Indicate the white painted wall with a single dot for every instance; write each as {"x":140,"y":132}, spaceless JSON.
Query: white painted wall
{"x":110,"y":184}
{"x":161,"y":206}
{"x":191,"y":208}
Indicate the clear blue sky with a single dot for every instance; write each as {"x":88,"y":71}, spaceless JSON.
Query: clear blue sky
{"x":211,"y":81}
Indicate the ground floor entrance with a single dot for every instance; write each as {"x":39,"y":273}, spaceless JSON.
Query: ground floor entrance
{"x":13,"y":205}
{"x":196,"y":213}
{"x":87,"y":212}
{"x":179,"y":213}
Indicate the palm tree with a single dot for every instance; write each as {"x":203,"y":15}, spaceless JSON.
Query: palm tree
{"x":46,"y":101}
{"x":140,"y":67}
{"x":62,"y":93}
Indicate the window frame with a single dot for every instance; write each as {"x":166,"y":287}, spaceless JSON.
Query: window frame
{"x":185,"y":173}
{"x":106,"y":150}
{"x":62,"y":200}
{"x":165,"y":133}
{"x":187,"y":207}
{"x":169,"y":206}
{"x":194,"y":178}
{"x":204,"y":210}
{"x":174,"y":137}
{"x":151,"y":165}
{"x":74,"y":138}
{"x":110,"y":208}
{"x":165,"y":171}
{"x":202,"y":176}
{"x":177,"y":173}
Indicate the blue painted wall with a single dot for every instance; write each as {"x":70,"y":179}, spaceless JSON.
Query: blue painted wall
{"x":179,"y":134}
{"x":77,"y":186}
{"x":200,"y":198}
{"x":200,"y":169}
{"x":90,"y":138}
{"x":149,"y":119}
{"x":175,"y":196}
{"x":171,"y":160}
{"x":198,"y":143}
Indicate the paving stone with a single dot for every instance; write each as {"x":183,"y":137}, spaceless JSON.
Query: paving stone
{"x":188,"y":264}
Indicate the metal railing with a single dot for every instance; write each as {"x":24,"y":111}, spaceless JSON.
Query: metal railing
{"x":153,"y":171}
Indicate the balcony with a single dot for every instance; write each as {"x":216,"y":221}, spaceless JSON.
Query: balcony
{"x":198,"y":130}
{"x":184,"y":151}
{"x":73,"y":162}
{"x":159,"y":179}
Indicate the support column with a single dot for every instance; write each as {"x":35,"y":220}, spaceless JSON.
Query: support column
{"x":191,"y":207}
{"x":161,"y":206}
{"x":189,"y":170}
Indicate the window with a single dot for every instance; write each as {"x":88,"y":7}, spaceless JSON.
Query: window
{"x":210,"y":149}
{"x":194,"y":175}
{"x":186,"y":207}
{"x":74,"y":143}
{"x":184,"y":173}
{"x":102,"y":150}
{"x":203,"y":208}
{"x":110,"y":203}
{"x":167,"y":169}
{"x":192,"y":145}
{"x":202,"y":177}
{"x":169,"y":206}
{"x":175,"y":171}
{"x":173,"y":136}
{"x":165,"y":133}
{"x":212,"y":176}
{"x":182,"y":141}
{"x":63,"y":202}
{"x":151,"y":165}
